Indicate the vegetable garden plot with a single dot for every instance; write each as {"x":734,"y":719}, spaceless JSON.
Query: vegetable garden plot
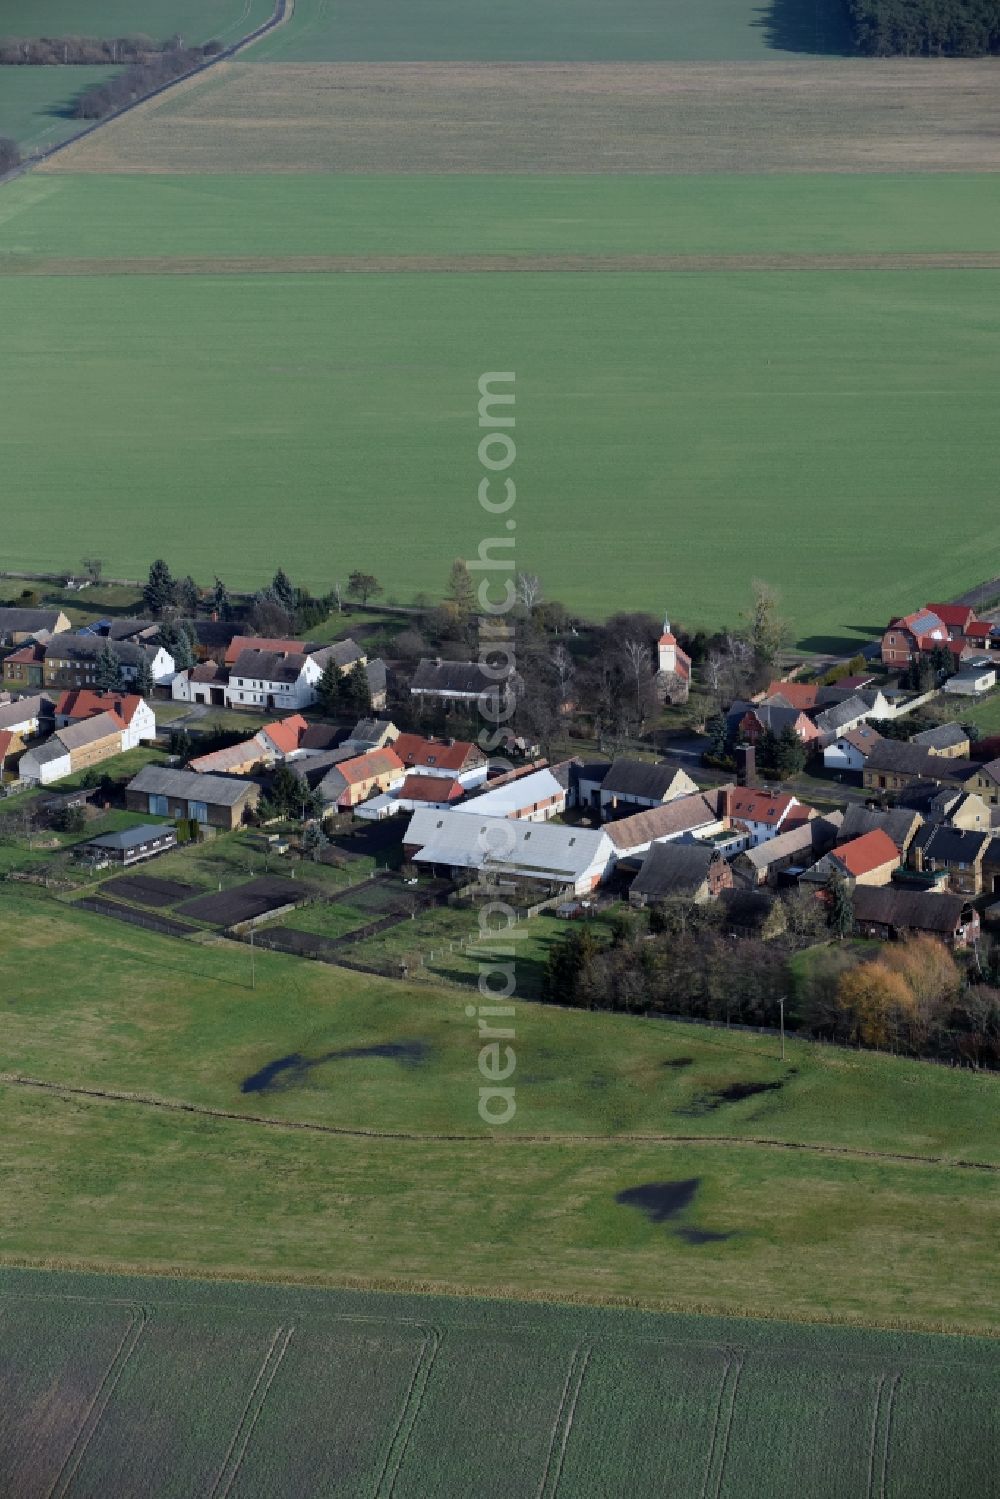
{"x":245,"y":902}
{"x":147,"y":890}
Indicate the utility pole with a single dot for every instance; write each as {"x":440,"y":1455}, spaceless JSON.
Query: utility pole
{"x":781,"y":1004}
{"x":253,"y":963}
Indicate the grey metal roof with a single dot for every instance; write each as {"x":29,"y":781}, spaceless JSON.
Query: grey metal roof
{"x":947,"y":845}
{"x":89,"y":647}
{"x":90,"y":730}
{"x":544,"y":849}
{"x":188,"y":785}
{"x":834,"y":718}
{"x":817,"y":836}
{"x":146,"y":832}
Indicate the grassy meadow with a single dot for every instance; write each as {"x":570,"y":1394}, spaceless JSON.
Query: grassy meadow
{"x":369,"y":1160}
{"x":212,"y":1382}
{"x":549,"y":30}
{"x":738,"y":425}
{"x":195,"y":20}
{"x":36,"y":104}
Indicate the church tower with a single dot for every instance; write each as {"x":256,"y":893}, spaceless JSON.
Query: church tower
{"x":666,"y":648}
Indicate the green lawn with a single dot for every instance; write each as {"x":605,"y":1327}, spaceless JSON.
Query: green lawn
{"x":746,"y":421}
{"x":195,"y":20}
{"x":986,"y":713}
{"x":631,"y":1403}
{"x":551,"y":30}
{"x":325,"y":214}
{"x":118,"y":1008}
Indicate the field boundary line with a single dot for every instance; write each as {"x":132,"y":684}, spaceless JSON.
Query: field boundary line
{"x":362,"y":1132}
{"x":251,"y":1412}
{"x":713,"y":1439}
{"x":102,"y":1396}
{"x":385,"y":1483}
{"x":579,"y":1364}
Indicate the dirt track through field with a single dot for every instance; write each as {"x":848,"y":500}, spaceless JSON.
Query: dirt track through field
{"x":150,"y":1101}
{"x":857,"y":115}
{"x":299,"y":265}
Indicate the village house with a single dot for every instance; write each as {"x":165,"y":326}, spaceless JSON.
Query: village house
{"x":204,"y":683}
{"x":130,"y":846}
{"x":432,"y":792}
{"x":459,"y":684}
{"x":26,"y":717}
{"x":269,"y":680}
{"x":345,"y":655}
{"x":18,"y":626}
{"x":632,"y":784}
{"x":696,"y":871}
{"x":698,"y":816}
{"x":277,"y":646}
{"x":459,"y":758}
{"x":351,"y":781}
{"x":795,"y":850}
{"x":371,"y":733}
{"x":958,"y":852}
{"x":24,"y":669}
{"x":138,"y":631}
{"x":763,"y":814}
{"x":985,"y":781}
{"x":833,"y":721}
{"x":910,"y":635}
{"x":894,"y":764}
{"x":868,"y":860}
{"x":889,"y":911}
{"x":215,"y":801}
{"x":747,"y":723}
{"x":973,"y":679}
{"x":77,"y":747}
{"x":137,"y":717}
{"x":70,"y":661}
{"x":573,"y":859}
{"x":850,"y":750}
{"x":948,"y":739}
{"x":901,"y":823}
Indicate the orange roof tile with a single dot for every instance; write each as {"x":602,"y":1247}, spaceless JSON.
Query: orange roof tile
{"x":420,"y":788}
{"x":286,"y":733}
{"x":870,"y":851}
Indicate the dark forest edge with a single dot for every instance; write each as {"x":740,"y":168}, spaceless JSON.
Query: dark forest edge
{"x":925,"y":28}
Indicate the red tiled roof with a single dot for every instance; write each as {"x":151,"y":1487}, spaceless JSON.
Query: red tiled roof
{"x":84,"y":703}
{"x":418,"y":788}
{"x":6,"y":740}
{"x":241,"y":643}
{"x":365,"y":767}
{"x":979,"y":629}
{"x":955,"y":616}
{"x":870,"y":851}
{"x":759,"y":806}
{"x":27,"y":654}
{"x":414,"y":750}
{"x":801,"y":695}
{"x":286,"y":733}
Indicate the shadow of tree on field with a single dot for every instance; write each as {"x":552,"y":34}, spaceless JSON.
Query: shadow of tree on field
{"x":817,"y":27}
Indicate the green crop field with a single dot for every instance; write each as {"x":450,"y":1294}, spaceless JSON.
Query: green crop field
{"x":169,"y":1106}
{"x":195,"y":20}
{"x":551,"y":30}
{"x":276,"y":1391}
{"x":742,"y":424}
{"x":278,"y":217}
{"x":36,"y":104}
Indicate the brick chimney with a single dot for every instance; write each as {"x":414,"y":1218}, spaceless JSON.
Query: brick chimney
{"x":725,"y":803}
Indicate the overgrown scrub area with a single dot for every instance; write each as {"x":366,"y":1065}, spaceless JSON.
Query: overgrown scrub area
{"x":741,"y":963}
{"x":141,"y":78}
{"x":410,"y":1387}
{"x":48,"y":51}
{"x":926,"y":28}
